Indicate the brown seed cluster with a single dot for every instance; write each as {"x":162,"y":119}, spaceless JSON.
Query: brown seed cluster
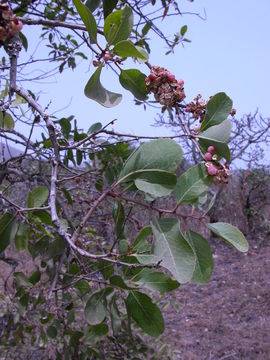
{"x":223,"y":174}
{"x":9,"y":24}
{"x":197,"y":108}
{"x":166,"y":89}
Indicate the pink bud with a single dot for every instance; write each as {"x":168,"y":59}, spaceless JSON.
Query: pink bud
{"x":152,"y":76}
{"x":19,"y":26}
{"x":181,"y":82}
{"x":211,"y":149}
{"x":208,"y":156}
{"x":171,"y":77}
{"x":212,"y":170}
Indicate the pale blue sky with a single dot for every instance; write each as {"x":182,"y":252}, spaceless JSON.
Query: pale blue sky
{"x":230,"y":51}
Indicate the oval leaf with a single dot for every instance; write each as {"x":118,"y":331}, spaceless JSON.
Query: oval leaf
{"x":218,"y":136}
{"x":95,"y":308}
{"x":108,"y":6}
{"x":204,"y":258}
{"x":92,"y":4}
{"x":37,"y":197}
{"x":118,"y":25}
{"x":145,"y":313}
{"x":94,"y":128}
{"x":22,"y":237}
{"x":126,"y":48}
{"x":230,"y":234}
{"x":88,"y":20}
{"x":95,"y":91}
{"x":6,"y":121}
{"x":218,"y":109}
{"x":150,"y":169}
{"x":193,"y":183}
{"x":172,"y":249}
{"x":156,"y":281}
{"x":134,"y":81}
{"x":8,"y":229}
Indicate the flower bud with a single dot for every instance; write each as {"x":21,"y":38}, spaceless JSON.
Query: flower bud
{"x":171,"y":77}
{"x":208,"y":156}
{"x":212,"y":170}
{"x":152,"y":76}
{"x":211,"y":149}
{"x":181,"y":82}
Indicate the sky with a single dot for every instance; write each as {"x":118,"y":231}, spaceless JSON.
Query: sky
{"x":230,"y":51}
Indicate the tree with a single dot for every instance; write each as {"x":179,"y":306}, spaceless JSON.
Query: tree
{"x":88,"y":283}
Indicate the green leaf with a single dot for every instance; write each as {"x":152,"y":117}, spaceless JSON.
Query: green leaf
{"x":123,"y":246}
{"x":116,"y":280}
{"x":92,"y":4}
{"x":156,"y":281}
{"x":37,"y":197}
{"x":218,"y":136}
{"x":67,"y":195}
{"x":6,"y":121}
{"x":97,"y":333}
{"x":140,"y":243}
{"x":145,"y":313}
{"x":204,"y":258}
{"x":8,"y":229}
{"x":23,"y":40}
{"x":192,"y":184}
{"x":172,"y":249}
{"x":183,"y":30}
{"x":96,"y":307}
{"x":22,"y":237}
{"x":150,"y":169}
{"x":52,"y":331}
{"x":218,"y":109}
{"x":4,"y":92}
{"x":126,"y":48}
{"x":88,"y":20}
{"x":44,"y":216}
{"x":118,"y":25}
{"x":95,"y":91}
{"x":156,"y":184}
{"x":108,"y":6}
{"x":79,"y":157}
{"x":35,"y":277}
{"x":119,"y":219}
{"x":115,"y":316}
{"x":83,"y":287}
{"x":94,"y":128}
{"x":146,"y":28}
{"x":230,"y":234}
{"x":65,"y":126}
{"x":134,"y":81}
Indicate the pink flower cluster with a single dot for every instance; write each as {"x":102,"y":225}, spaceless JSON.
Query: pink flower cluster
{"x":9,"y":24}
{"x":166,"y":89}
{"x":197,"y":107}
{"x":215,"y":168}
